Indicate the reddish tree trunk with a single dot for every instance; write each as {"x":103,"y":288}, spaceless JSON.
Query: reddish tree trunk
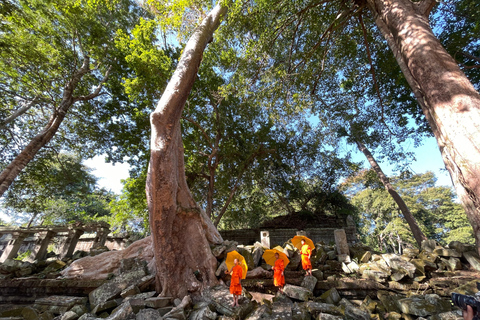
{"x":412,"y":223}
{"x":181,"y":231}
{"x":448,"y":99}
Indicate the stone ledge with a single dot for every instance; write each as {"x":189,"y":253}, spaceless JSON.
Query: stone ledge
{"x":27,"y":290}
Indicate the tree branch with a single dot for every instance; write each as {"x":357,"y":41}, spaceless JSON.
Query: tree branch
{"x":96,"y":93}
{"x":426,"y":6}
{"x":18,"y":113}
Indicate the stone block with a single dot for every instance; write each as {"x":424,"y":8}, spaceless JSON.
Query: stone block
{"x":423,"y":305}
{"x":70,"y":315}
{"x":309,"y":283}
{"x":331,"y":296}
{"x":122,"y":312}
{"x":318,"y":308}
{"x":58,"y":304}
{"x":28,"y":313}
{"x":158,"y":302}
{"x":297,"y":292}
{"x":472,"y":259}
{"x":442,"y":252}
{"x":148,"y":314}
{"x":130,"y":291}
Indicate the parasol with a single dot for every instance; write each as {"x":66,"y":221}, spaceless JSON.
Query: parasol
{"x":231,"y":256}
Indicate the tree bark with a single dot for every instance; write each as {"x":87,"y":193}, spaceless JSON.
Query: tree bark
{"x":412,"y":223}
{"x":9,"y":174}
{"x":181,"y":231}
{"x":448,"y":99}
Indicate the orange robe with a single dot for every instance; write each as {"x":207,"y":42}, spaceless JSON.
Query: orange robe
{"x":278,"y":278}
{"x":306,"y":252}
{"x":235,"y":286}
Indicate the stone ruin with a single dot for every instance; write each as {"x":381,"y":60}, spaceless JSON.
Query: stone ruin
{"x":67,"y":239}
{"x":350,"y":281}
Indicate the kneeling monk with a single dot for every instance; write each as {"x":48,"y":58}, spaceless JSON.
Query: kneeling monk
{"x":278,"y":275}
{"x":306,"y":252}
{"x":235,"y":285}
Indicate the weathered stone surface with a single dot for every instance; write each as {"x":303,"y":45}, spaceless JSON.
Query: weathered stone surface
{"x":442,"y":252}
{"x":263,"y":312}
{"x":331,"y":296}
{"x":281,"y":311}
{"x":88,"y":316}
{"x":297,"y":292}
{"x":28,"y":313}
{"x":344,"y":258}
{"x":130,"y":291}
{"x":248,"y":257}
{"x":428,"y":245}
{"x":158,"y":302}
{"x":369,"y":305}
{"x":341,"y":242}
{"x":317,"y":274}
{"x":472,"y":259}
{"x":389,"y":300}
{"x":376,"y":275}
{"x":397,"y":264}
{"x":309,"y":283}
{"x":113,"y":288}
{"x":258,"y":251}
{"x":221,"y":298}
{"x":258,"y":272}
{"x":202,"y":313}
{"x":122,"y":312}
{"x":457,"y":246}
{"x":352,"y":312}
{"x":69,"y":315}
{"x":366,"y":257}
{"x":100,"y":266}
{"x":58,"y":304}
{"x":300,"y":312}
{"x":148,"y":314}
{"x":105,"y":306}
{"x":319,"y":308}
{"x":350,"y":268}
{"x":320,"y":256}
{"x":326,"y":316}
{"x":423,"y":305}
{"x":10,"y":266}
{"x":295,"y":261}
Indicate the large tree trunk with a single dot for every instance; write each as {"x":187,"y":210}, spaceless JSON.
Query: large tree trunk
{"x":9,"y":174}
{"x":448,"y":99}
{"x":412,"y":223}
{"x":181,"y":231}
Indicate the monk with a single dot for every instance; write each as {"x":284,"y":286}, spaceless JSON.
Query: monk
{"x":306,"y":253}
{"x":278,"y":275}
{"x":235,"y":285}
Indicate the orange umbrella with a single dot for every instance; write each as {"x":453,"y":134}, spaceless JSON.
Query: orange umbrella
{"x":269,"y":257}
{"x":231,"y":256}
{"x":297,"y":242}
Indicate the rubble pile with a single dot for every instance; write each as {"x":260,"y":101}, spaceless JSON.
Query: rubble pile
{"x":354,"y":282}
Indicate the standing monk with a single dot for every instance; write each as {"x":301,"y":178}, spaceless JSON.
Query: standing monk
{"x":306,"y":252}
{"x":235,"y":285}
{"x":278,"y":276}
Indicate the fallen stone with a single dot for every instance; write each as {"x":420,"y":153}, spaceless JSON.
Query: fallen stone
{"x":331,"y":296}
{"x":130,"y":291}
{"x":442,"y":252}
{"x":258,"y":272}
{"x":378,"y":276}
{"x":158,"y":302}
{"x":105,"y":306}
{"x":428,"y":245}
{"x":262,"y":312}
{"x":297,"y":292}
{"x":281,"y":311}
{"x":319,"y":308}
{"x":300,"y":312}
{"x":397,"y":264}
{"x":248,"y":257}
{"x":309,"y":283}
{"x":69,"y":315}
{"x":317,"y":274}
{"x":122,"y":312}
{"x":28,"y":313}
{"x":457,"y":246}
{"x":258,"y":251}
{"x":341,"y":242}
{"x":112,"y":289}
{"x":422,"y":306}
{"x":202,"y":312}
{"x":148,"y":314}
{"x":472,"y":259}
{"x":389,"y":301}
{"x":58,"y":304}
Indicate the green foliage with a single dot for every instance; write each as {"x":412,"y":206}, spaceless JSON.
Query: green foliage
{"x":56,"y":189}
{"x":381,"y":224}
{"x":129,"y":212}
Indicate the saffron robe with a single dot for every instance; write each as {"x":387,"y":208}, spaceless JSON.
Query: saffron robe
{"x":306,"y":252}
{"x":278,"y":278}
{"x":235,"y":286}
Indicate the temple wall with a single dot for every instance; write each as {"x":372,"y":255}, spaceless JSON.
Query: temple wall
{"x":280,"y":236}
